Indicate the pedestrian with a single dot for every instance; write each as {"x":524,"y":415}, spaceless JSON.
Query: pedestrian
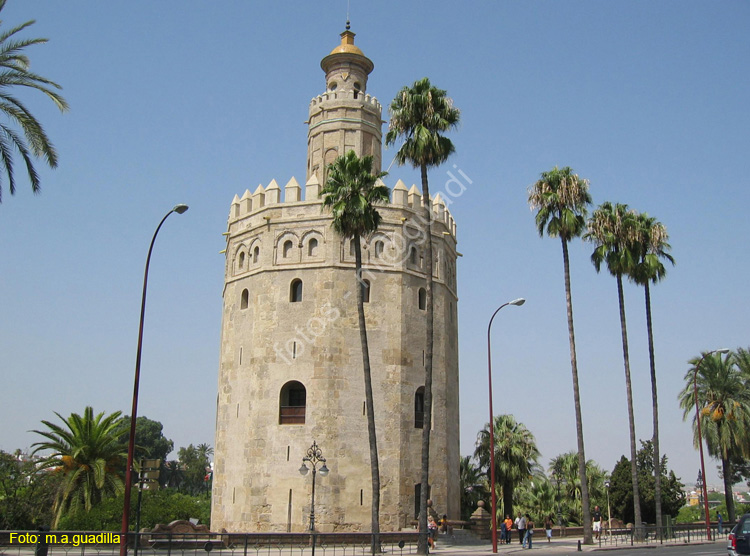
{"x":721,"y":523}
{"x":529,"y":531}
{"x":508,"y":527}
{"x":548,"y":527}
{"x":432,"y":528}
{"x":597,"y":521}
{"x":503,"y":532}
{"x":521,"y":524}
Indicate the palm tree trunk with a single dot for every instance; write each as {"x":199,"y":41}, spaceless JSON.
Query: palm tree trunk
{"x":726,"y":471}
{"x":631,"y":417}
{"x":655,"y":410}
{"x":427,"y":424}
{"x":587,"y":537}
{"x":374,"y":466}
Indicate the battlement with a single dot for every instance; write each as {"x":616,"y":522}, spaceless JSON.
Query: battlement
{"x":364,"y":99}
{"x":270,"y":196}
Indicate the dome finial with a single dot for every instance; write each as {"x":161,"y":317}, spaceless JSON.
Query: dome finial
{"x":348,"y":25}
{"x":348,"y":5}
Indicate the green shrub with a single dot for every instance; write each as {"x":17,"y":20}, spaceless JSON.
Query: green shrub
{"x":162,"y":506}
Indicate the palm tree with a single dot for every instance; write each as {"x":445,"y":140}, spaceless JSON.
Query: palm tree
{"x":652,"y":248}
{"x":33,"y":142}
{"x":613,"y":229}
{"x":351,"y":193}
{"x":420,"y":115}
{"x":724,"y":398}
{"x":565,"y":466}
{"x":473,"y":486}
{"x":562,"y":198}
{"x":516,"y":456}
{"x":89,"y":454}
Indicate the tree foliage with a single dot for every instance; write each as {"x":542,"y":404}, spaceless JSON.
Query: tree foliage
{"x":351,"y":193}
{"x":26,"y":495}
{"x":88,"y":454}
{"x":474,"y":486}
{"x":420,"y":115}
{"x":32,"y":141}
{"x":161,"y":506}
{"x":621,"y":489}
{"x":721,"y":384}
{"x":561,"y":199}
{"x":516,"y":457}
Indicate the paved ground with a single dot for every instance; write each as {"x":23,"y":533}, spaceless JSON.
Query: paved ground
{"x":559,"y":547}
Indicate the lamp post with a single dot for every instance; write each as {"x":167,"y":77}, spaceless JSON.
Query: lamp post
{"x":179,"y":209}
{"x":517,"y":302}
{"x":314,"y":457}
{"x":607,"y":484}
{"x":700,"y":438}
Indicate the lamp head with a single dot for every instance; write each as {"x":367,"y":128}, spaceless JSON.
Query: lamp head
{"x":303,"y":470}
{"x":323,"y":470}
{"x":179,"y":209}
{"x":721,"y":350}
{"x":606,"y":484}
{"x":520,"y":301}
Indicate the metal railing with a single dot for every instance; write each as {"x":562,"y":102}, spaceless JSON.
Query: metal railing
{"x":680,"y":533}
{"x":96,"y":543}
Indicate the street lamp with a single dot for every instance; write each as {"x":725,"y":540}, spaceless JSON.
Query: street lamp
{"x":179,"y":209}
{"x":314,"y":457}
{"x":518,"y":302}
{"x":609,"y":510}
{"x":700,"y":438}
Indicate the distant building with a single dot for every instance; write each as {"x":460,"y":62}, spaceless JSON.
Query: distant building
{"x":291,"y":366}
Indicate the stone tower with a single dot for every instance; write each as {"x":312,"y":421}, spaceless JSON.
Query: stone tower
{"x":291,"y":366}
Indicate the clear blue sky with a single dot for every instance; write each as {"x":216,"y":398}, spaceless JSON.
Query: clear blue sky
{"x":193,"y":102}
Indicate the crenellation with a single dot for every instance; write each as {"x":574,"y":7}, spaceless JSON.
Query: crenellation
{"x":246,"y":203}
{"x":399,"y":195}
{"x":259,"y":197}
{"x":415,"y":197}
{"x":292,"y":191}
{"x":312,"y":188}
{"x":273,"y":193}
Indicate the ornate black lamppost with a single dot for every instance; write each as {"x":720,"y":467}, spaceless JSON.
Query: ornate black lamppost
{"x":314,"y":457}
{"x":493,"y":494}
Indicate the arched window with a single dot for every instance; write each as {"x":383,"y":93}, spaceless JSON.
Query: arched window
{"x":287,"y":248}
{"x":379,"y":245}
{"x":422,"y":298}
{"x":366,"y":291}
{"x":241,"y":262}
{"x":412,"y":254}
{"x":351,"y":248}
{"x":295,"y":291}
{"x":256,"y":254}
{"x":419,"y":408}
{"x":244,"y":300}
{"x":292,"y":403}
{"x":312,"y":247}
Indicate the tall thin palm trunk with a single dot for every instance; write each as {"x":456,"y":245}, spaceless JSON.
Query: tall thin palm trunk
{"x":427,"y":424}
{"x":655,"y":410}
{"x":374,"y":466}
{"x":631,"y":417}
{"x":726,"y":471}
{"x":587,"y":536}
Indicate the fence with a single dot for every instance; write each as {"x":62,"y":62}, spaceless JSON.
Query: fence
{"x":683,"y":533}
{"x":95,"y":543}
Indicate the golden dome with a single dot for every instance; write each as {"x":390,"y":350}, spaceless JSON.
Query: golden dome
{"x":347,"y":45}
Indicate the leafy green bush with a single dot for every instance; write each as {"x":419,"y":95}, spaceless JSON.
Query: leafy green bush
{"x":162,"y":506}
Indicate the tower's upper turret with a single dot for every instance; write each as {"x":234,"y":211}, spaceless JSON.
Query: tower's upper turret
{"x":346,"y":66}
{"x":344,"y":117}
